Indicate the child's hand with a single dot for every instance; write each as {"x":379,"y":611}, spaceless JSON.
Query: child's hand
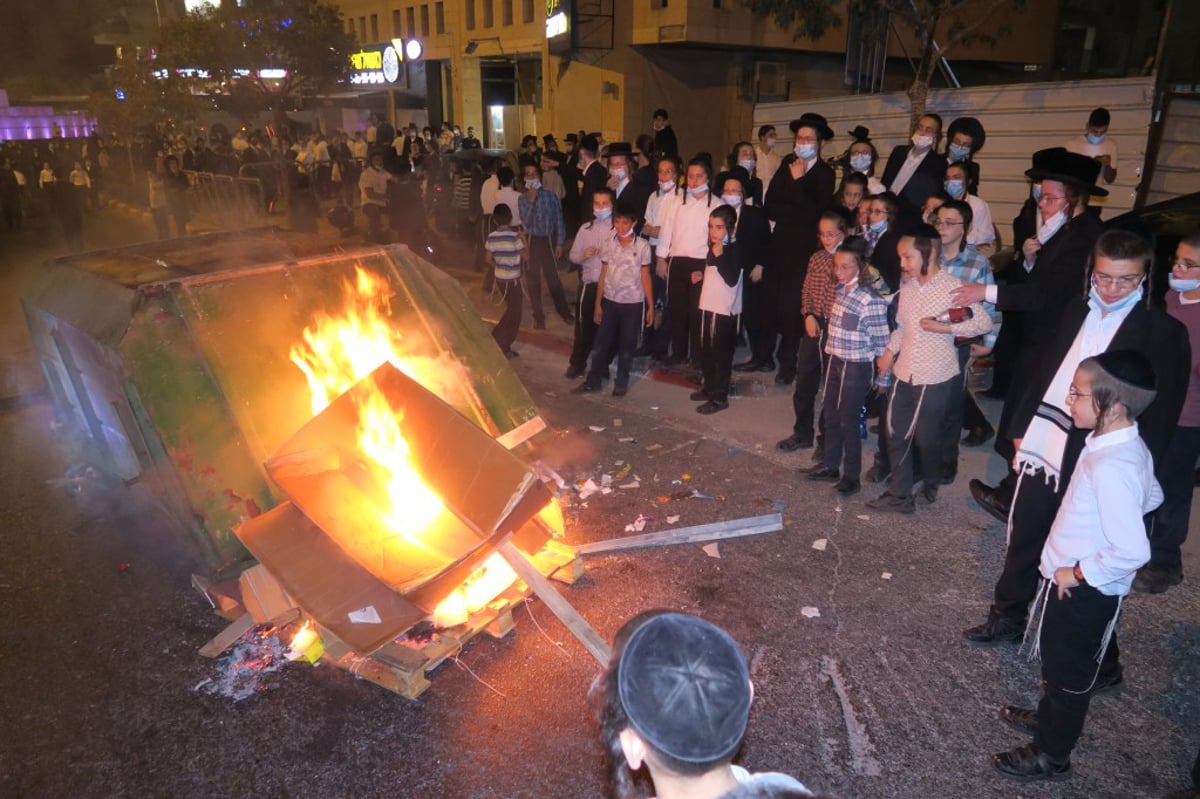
{"x":649,"y":316}
{"x":1064,"y":578}
{"x":810,"y":326}
{"x":661,"y":268}
{"x":884,"y":362}
{"x":697,"y":277}
{"x":596,"y":314}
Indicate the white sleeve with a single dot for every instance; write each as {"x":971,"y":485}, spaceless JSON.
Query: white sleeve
{"x":668,"y":230}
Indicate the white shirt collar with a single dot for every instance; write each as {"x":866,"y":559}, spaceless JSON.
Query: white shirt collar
{"x":1125,"y":434}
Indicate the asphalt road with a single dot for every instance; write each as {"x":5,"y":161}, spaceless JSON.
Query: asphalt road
{"x":875,"y":697}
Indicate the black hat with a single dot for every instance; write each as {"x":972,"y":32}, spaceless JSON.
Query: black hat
{"x":1129,"y":367}
{"x":814,"y":121}
{"x":1074,"y":169}
{"x":591,"y":143}
{"x":572,"y":138}
{"x":529,"y":138}
{"x":620,"y":148}
{"x":685,"y":687}
{"x":733,"y":173}
{"x":970,"y":126}
{"x":861,"y":133}
{"x":548,"y":139}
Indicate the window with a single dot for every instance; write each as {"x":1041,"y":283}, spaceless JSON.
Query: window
{"x":425,"y":20}
{"x":397,"y":31}
{"x":410,"y":16}
{"x":506,"y":16}
{"x":527,"y":11}
{"x":439,"y":17}
{"x":350,"y":25}
{"x":488,"y":19}
{"x":470,"y":15}
{"x":362,"y":29}
{"x":374,"y":27}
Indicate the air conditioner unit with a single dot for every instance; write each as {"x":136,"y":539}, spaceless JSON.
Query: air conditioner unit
{"x":770,"y":81}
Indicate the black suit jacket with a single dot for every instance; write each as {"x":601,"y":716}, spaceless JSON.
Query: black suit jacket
{"x":591,"y":180}
{"x":925,"y":182}
{"x":1153,"y":333}
{"x":754,"y":234}
{"x":886,"y":258}
{"x":636,"y":194}
{"x":665,"y":142}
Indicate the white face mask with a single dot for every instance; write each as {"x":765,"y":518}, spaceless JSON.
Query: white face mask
{"x":732,"y":200}
{"x":860,"y":162}
{"x":1128,"y":300}
{"x":1051,"y":226}
{"x":602,"y":213}
{"x":771,"y":142}
{"x":922,"y":142}
{"x":667,"y":185}
{"x":747,"y":164}
{"x":533,"y":184}
{"x":619,"y":173}
{"x":1183,"y":284}
{"x":697,"y":191}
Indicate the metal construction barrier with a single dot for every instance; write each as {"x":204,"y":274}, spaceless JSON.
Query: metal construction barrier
{"x":234,"y":202}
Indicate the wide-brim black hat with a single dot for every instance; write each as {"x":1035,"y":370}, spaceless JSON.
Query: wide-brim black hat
{"x":736,"y":173}
{"x":620,"y":148}
{"x":814,"y":121}
{"x":861,"y":133}
{"x":970,"y":126}
{"x":572,"y":138}
{"x":590,"y":142}
{"x":1067,"y":167}
{"x":548,"y":138}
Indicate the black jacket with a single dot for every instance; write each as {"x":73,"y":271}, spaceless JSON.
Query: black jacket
{"x":754,"y":234}
{"x":886,"y":258}
{"x":591,"y":180}
{"x":925,"y":182}
{"x":665,"y":142}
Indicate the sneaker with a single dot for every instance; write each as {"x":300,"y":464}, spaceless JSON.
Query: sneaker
{"x":712,"y":406}
{"x":1028,"y":764}
{"x":619,"y":391}
{"x":996,"y":630}
{"x":825,"y":474}
{"x":585,"y":388}
{"x":847,"y":486}
{"x":876,"y":475}
{"x":1157,"y":579}
{"x":698,"y":396}
{"x":890,"y":503}
{"x":1022,"y":718}
{"x":793,"y":443}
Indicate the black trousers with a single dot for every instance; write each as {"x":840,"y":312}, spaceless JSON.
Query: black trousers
{"x":754,"y":321}
{"x":585,"y":327}
{"x":620,"y":324}
{"x":788,"y":353}
{"x":1169,"y":527}
{"x":1034,"y":506}
{"x":914,"y":434}
{"x":1072,"y":633}
{"x":846,"y":385}
{"x":811,"y":363}
{"x":959,"y":415}
{"x":505,"y":331}
{"x":718,"y":340}
{"x":656,"y":340}
{"x":683,"y":307}
{"x":542,"y":265}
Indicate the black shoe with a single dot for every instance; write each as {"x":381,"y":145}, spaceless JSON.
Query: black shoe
{"x":574,"y":372}
{"x":712,"y":406}
{"x":585,"y":388}
{"x":1027,"y":764}
{"x":1022,"y":718}
{"x":746,"y":366}
{"x":985,"y":496}
{"x":620,"y":391}
{"x":928,"y":493}
{"x":784,"y":379}
{"x":1107,"y":683}
{"x":698,"y":396}
{"x":996,"y":630}
{"x":876,"y":475}
{"x":846,"y":486}
{"x":948,"y":478}
{"x":793,"y":443}
{"x":977,"y":436}
{"x":825,"y":474}
{"x":1157,"y":579}
{"x":890,"y":503}
{"x":766,"y":366}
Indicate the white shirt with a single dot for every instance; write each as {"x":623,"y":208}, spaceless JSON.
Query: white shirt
{"x":908,"y":169}
{"x":1080,"y":144}
{"x":658,"y":207}
{"x":1099,"y":328}
{"x":983,"y":230}
{"x":487,"y":194}
{"x":685,"y":233}
{"x":510,"y":197}
{"x":767,"y":165}
{"x":375,"y":179}
{"x":1099,"y":524}
{"x":592,"y":235}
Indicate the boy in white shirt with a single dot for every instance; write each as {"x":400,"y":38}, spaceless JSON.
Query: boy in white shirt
{"x":1095,"y":547}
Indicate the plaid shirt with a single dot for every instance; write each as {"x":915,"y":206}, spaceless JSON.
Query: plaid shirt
{"x":971,"y":267}
{"x":858,"y":327}
{"x":820,"y":286}
{"x":543,"y":216}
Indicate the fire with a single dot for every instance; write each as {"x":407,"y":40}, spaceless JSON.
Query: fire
{"x":484,"y":585}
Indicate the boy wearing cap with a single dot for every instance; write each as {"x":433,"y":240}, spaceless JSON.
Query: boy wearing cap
{"x":676,"y":698}
{"x":1094,"y":549}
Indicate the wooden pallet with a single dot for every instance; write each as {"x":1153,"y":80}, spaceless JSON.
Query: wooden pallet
{"x":403,"y":668}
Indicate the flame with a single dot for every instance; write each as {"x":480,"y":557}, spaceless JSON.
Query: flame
{"x":305,"y":637}
{"x":484,"y":585}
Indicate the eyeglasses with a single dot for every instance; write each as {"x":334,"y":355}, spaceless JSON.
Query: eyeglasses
{"x":1051,"y":197}
{"x":832,"y":234}
{"x":1124,"y":281}
{"x":941,"y":223}
{"x":1074,"y":394}
{"x":1180,"y":263}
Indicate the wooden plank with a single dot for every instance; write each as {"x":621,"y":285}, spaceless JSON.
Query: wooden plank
{"x":226,"y":638}
{"x":559,"y":606}
{"x":688,"y":535}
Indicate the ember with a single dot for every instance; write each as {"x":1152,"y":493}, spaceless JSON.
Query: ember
{"x":242,"y":671}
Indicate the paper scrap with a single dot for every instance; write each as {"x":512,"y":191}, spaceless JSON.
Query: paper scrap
{"x":631,"y":484}
{"x":595,"y":428}
{"x":625,"y":470}
{"x":588,"y":488}
{"x":606,"y":490}
{"x":820,"y":543}
{"x":685,"y":476}
{"x":810,"y":613}
{"x":606,"y":479}
{"x":654,"y":407}
{"x":617,"y":422}
{"x":367,"y":615}
{"x":697,"y":495}
{"x":886,"y":575}
{"x":653,"y":447}
{"x":676,"y":482}
{"x":637,"y":525}
{"x":672,"y":519}
{"x":713,"y":550}
{"x":864,"y":517}
{"x":618,"y":463}
{"x":626,"y":439}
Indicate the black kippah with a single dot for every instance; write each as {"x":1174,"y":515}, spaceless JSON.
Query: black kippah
{"x":1130,"y":367}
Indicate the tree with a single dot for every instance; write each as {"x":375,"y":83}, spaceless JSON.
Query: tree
{"x":966,"y":22}
{"x":289,"y":50}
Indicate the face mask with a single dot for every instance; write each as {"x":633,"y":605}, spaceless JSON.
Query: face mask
{"x":833,"y":248}
{"x":666,"y":186}
{"x":602,"y":213}
{"x":747,"y":164}
{"x":1037,"y":191}
{"x":696,"y":192}
{"x":861,"y":162}
{"x":725,"y":239}
{"x":1051,"y":226}
{"x":805,"y":151}
{"x":877,"y":227}
{"x":1182,"y":284}
{"x":533,"y":184}
{"x":922,"y":142}
{"x":770,"y":142}
{"x":1128,"y":300}
{"x":732,"y":200}
{"x":619,"y":173}
{"x":1096,"y":139}
{"x":958,"y":152}
{"x":955,"y":188}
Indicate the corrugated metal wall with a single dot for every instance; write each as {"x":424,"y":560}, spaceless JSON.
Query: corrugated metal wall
{"x":1019,"y":119}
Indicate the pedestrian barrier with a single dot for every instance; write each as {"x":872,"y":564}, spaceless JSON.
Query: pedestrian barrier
{"x":234,"y":202}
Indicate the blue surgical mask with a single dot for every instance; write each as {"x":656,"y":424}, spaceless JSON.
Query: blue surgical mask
{"x":1096,"y":139}
{"x":877,"y":227}
{"x":1182,"y":284}
{"x":1037,"y":191}
{"x":1127,"y":301}
{"x":696,"y":192}
{"x":667,"y":185}
{"x":533,"y":184}
{"x":805,"y":151}
{"x":618,"y":173}
{"x":860,"y":162}
{"x":725,"y":239}
{"x":732,"y":200}
{"x":958,"y":152}
{"x":747,"y":164}
{"x":602,"y":213}
{"x":955,"y":188}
